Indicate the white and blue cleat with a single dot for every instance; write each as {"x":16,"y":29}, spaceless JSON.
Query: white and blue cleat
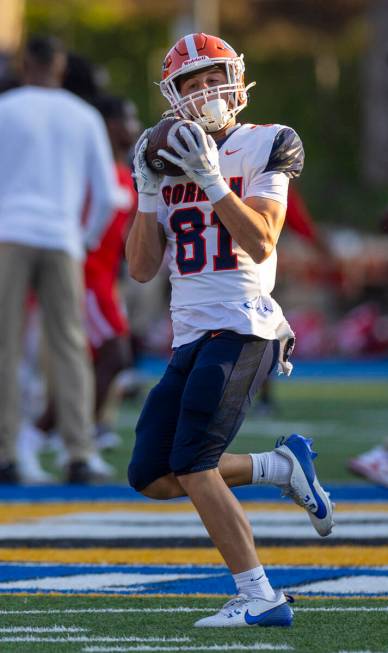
{"x":243,"y":611}
{"x":304,"y":487}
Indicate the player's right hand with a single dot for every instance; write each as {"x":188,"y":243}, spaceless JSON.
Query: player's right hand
{"x":147,"y":181}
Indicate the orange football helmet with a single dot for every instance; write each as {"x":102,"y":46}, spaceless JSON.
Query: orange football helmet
{"x":223,"y":102}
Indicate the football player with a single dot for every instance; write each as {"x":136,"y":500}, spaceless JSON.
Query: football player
{"x":220,"y":222}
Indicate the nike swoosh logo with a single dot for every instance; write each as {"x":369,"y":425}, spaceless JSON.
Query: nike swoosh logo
{"x":229,"y":152}
{"x":215,"y":333}
{"x":262,"y":470}
{"x":251,"y":619}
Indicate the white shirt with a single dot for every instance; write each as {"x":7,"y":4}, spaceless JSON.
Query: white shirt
{"x":215,"y":283}
{"x":54,"y":147}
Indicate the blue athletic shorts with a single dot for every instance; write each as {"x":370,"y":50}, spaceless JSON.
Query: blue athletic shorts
{"x":196,"y":409}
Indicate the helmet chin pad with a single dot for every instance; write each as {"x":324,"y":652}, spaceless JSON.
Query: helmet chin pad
{"x":216,"y":114}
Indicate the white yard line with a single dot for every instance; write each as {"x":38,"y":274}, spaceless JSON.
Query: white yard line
{"x":214,"y":647}
{"x":38,"y":629}
{"x":349,"y":609}
{"x":182,"y":609}
{"x":104,"y":610}
{"x":125,"y":524}
{"x":95,"y":638}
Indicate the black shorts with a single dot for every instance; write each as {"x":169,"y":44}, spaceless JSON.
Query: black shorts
{"x":194,"y":412}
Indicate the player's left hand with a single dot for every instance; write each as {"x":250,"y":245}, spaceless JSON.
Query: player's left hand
{"x":199,"y":159}
{"x":286,"y":337}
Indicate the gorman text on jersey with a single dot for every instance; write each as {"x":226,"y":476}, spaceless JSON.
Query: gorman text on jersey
{"x":189,"y":192}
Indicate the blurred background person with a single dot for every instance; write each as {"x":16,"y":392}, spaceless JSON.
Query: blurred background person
{"x":54,"y":147}
{"x":81,"y":78}
{"x":105,"y":318}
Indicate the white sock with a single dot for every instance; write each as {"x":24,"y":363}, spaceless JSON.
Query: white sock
{"x":270,"y":468}
{"x":254,"y":584}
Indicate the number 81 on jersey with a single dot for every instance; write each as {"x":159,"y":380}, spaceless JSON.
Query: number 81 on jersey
{"x":189,"y":226}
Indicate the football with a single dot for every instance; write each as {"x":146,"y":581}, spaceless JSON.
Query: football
{"x":157,"y":139}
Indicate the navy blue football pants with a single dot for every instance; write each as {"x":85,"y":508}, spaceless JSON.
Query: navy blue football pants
{"x":196,"y":409}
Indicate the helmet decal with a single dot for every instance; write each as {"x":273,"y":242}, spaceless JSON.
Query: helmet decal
{"x":191,"y":47}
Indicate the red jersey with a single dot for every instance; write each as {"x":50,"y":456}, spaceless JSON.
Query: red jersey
{"x":102,"y":265}
{"x":298,"y":218}
{"x":105,"y":317}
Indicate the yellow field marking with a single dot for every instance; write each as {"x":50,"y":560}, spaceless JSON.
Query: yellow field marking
{"x":341,"y":556}
{"x":29,"y":511}
{"x":360,"y":507}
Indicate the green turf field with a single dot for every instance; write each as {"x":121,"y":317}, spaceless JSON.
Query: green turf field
{"x":343,"y":417}
{"x":94,"y":624}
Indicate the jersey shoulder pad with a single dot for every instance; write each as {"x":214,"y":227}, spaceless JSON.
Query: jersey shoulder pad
{"x":287,"y":153}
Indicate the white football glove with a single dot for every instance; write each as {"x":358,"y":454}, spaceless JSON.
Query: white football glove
{"x":286,"y":337}
{"x":199,"y":160}
{"x":147,"y":181}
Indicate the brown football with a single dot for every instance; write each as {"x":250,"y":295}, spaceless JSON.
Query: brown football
{"x":157,"y":139}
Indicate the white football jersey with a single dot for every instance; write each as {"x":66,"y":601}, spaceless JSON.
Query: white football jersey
{"x":215,"y":283}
